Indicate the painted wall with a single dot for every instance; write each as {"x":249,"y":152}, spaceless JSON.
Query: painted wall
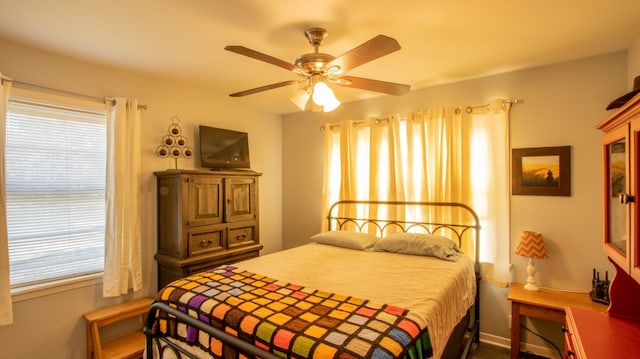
{"x":633,"y":62}
{"x":52,"y":326}
{"x":562,"y":103}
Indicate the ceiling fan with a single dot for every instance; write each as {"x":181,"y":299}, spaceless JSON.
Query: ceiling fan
{"x":317,"y":70}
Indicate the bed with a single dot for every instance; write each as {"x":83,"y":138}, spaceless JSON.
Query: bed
{"x":347,"y":294}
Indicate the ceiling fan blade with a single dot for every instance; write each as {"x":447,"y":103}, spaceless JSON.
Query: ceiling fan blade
{"x":379,"y":46}
{"x":390,"y":88}
{"x":262,"y":57}
{"x":263,"y":88}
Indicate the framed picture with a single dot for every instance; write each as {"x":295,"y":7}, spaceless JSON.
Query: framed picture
{"x":541,"y":171}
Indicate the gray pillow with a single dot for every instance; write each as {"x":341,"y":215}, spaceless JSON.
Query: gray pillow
{"x":347,"y":239}
{"x":420,"y":244}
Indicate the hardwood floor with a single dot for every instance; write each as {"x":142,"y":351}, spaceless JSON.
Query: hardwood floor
{"x":488,"y":351}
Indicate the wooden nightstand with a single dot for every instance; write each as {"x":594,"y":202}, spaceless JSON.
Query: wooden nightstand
{"x":546,"y":304}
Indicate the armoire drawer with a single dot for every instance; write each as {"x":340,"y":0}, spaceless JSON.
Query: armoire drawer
{"x":241,"y":236}
{"x":206,"y":239}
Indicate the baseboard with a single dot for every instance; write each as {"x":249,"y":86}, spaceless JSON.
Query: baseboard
{"x":506,"y":343}
{"x":495,"y":340}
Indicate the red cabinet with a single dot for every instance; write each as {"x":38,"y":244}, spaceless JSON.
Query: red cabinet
{"x":621,"y":155}
{"x":615,"y":334}
{"x":594,"y":335}
{"x":621,"y":195}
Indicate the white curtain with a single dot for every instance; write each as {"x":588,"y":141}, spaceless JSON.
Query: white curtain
{"x":6,"y":311}
{"x":489,"y":170}
{"x":441,"y":154}
{"x":123,"y":258}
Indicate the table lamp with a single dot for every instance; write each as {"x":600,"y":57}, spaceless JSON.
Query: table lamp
{"x":532,"y":246}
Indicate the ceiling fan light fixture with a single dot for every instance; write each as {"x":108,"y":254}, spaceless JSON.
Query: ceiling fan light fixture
{"x":331,"y":104}
{"x":321,"y":93}
{"x":323,"y":96}
{"x":301,"y":97}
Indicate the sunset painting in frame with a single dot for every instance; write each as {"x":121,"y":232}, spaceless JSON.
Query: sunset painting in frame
{"x":542,"y":171}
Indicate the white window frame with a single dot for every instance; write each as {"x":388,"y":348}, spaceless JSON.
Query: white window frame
{"x":54,"y":285}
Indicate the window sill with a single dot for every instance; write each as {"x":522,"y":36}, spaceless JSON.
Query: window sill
{"x":44,"y":289}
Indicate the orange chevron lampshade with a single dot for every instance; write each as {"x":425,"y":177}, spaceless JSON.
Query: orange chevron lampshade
{"x":531,"y":245}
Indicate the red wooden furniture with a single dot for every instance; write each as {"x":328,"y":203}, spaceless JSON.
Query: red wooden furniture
{"x":591,"y":334}
{"x":616,"y":334}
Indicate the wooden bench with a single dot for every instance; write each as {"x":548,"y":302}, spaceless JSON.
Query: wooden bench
{"x":130,"y":345}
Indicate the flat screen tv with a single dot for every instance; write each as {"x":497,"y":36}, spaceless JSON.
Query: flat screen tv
{"x":223,"y":149}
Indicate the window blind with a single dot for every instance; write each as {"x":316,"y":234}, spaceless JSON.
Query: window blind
{"x":55,"y":160}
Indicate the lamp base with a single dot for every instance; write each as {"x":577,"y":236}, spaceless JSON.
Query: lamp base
{"x":531,"y":279}
{"x":531,"y":286}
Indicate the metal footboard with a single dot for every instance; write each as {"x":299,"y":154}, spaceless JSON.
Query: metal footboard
{"x":240,"y":345}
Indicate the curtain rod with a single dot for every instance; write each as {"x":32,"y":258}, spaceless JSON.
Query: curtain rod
{"x":516,"y":101}
{"x":64,"y":92}
{"x":469,"y":109}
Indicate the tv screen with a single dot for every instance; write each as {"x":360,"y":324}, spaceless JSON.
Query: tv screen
{"x":222,"y":148}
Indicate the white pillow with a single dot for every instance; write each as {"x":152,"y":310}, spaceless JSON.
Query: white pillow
{"x":420,"y":244}
{"x":347,"y":239}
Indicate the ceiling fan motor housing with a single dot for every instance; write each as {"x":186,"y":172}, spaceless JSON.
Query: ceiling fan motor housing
{"x":315,"y":62}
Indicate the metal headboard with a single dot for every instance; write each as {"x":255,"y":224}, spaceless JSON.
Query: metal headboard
{"x":394,"y":218}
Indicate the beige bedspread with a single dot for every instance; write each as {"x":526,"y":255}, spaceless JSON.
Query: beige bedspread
{"x":437,"y":292}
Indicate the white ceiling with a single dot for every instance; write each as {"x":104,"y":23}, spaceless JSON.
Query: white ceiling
{"x":442,"y":41}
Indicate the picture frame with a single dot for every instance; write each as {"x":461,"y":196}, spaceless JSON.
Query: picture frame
{"x":541,"y":171}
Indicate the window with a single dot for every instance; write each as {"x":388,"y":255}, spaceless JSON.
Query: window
{"x":440,"y":154}
{"x":55,"y":184}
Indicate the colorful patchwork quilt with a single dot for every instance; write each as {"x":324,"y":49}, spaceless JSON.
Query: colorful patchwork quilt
{"x":287,"y":319}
